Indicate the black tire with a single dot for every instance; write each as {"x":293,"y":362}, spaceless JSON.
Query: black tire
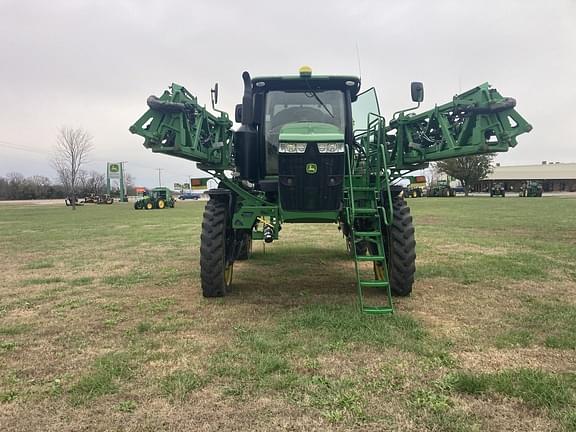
{"x":400,"y":246}
{"x":245,"y":251}
{"x":214,"y":259}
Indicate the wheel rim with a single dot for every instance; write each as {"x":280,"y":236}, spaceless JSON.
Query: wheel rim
{"x":378,"y":271}
{"x":228,"y":271}
{"x":161,"y":204}
{"x":149,"y":206}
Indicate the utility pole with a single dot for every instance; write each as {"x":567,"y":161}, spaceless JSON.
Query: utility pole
{"x":159,"y":176}
{"x":123,"y":190}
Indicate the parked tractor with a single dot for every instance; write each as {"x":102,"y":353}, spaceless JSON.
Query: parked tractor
{"x":441,"y":188}
{"x":498,"y":189}
{"x":531,"y":188}
{"x":157,"y":198}
{"x":416,"y":187}
{"x":314,"y":149}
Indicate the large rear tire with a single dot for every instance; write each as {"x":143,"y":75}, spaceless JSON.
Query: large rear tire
{"x":400,"y":246}
{"x":216,"y":267}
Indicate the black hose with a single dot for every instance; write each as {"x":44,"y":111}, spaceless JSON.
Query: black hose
{"x":164,"y":106}
{"x":495,"y":107}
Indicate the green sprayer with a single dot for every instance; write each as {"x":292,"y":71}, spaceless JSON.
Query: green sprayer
{"x":313,"y":149}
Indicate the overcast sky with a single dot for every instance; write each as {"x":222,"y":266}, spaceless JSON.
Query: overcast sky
{"x":91,"y":64}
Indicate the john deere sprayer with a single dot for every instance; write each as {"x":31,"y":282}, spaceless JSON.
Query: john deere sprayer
{"x":313,"y":149}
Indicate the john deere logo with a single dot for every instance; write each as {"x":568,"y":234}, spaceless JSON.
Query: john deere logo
{"x":311,"y":168}
{"x":114,"y":168}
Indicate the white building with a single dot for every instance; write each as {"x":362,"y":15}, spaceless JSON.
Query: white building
{"x":555,"y":177}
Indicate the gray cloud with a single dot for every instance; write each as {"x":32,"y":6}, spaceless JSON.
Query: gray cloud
{"x":93,"y":63}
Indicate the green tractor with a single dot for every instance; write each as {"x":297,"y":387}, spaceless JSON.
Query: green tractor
{"x":441,"y":189}
{"x":531,"y":188}
{"x":314,"y":149}
{"x":498,"y":189}
{"x":157,"y":198}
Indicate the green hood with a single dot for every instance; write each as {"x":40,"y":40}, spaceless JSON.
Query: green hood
{"x":310,"y":132}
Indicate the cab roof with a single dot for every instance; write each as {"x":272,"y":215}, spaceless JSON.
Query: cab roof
{"x":298,"y":82}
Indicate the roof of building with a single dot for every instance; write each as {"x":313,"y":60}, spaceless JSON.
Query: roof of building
{"x":550,"y":171}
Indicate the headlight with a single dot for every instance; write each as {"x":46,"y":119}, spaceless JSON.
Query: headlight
{"x":331,"y":147}
{"x":292,"y":147}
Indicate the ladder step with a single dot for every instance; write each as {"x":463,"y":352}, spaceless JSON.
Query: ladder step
{"x":374,"y":283}
{"x":378,"y":310}
{"x":365,"y":211}
{"x":368,"y":234}
{"x":370,"y":258}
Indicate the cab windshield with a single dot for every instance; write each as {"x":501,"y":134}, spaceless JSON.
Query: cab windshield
{"x":284,"y":107}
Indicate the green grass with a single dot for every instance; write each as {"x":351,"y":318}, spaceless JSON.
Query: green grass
{"x":178,"y":385}
{"x":42,"y":281}
{"x":536,"y":388}
{"x":103,"y":378}
{"x":551,"y":323}
{"x":123,"y":281}
{"x":39,"y":264}
{"x":14,"y":329}
{"x":81,"y":281}
{"x":101,"y":308}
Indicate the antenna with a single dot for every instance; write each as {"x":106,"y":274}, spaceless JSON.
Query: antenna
{"x":358,"y":59}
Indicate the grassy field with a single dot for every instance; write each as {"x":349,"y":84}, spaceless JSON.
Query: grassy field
{"x":102,"y":325}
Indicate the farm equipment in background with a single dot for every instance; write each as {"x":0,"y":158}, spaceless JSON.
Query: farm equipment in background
{"x":157,"y":198}
{"x":416,"y":187}
{"x":98,"y":199}
{"x":69,"y":201}
{"x":441,"y":188}
{"x":313,"y":149}
{"x":195,"y":196}
{"x":531,"y":189}
{"x":498,"y":189}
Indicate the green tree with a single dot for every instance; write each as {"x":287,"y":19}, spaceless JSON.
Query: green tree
{"x":468,"y":169}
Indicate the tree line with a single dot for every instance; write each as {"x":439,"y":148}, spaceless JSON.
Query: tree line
{"x":15,"y":186}
{"x":70,"y":154}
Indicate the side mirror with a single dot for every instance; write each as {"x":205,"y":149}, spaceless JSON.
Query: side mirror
{"x":238,"y":113}
{"x":417,"y":91}
{"x":214,"y":95}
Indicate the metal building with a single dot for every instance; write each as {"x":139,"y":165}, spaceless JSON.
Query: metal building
{"x":555,"y":177}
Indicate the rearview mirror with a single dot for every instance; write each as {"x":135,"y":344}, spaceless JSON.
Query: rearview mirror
{"x":417,"y":91}
{"x":214,"y":94}
{"x":238,"y":113}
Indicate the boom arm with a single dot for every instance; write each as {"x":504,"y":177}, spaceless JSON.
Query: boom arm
{"x":177,"y":125}
{"x":475,"y":122}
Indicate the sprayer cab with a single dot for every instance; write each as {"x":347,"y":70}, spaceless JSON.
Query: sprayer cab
{"x":291,"y":142}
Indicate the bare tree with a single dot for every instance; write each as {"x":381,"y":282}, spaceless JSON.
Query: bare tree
{"x":92,"y":182}
{"x":70,"y":153}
